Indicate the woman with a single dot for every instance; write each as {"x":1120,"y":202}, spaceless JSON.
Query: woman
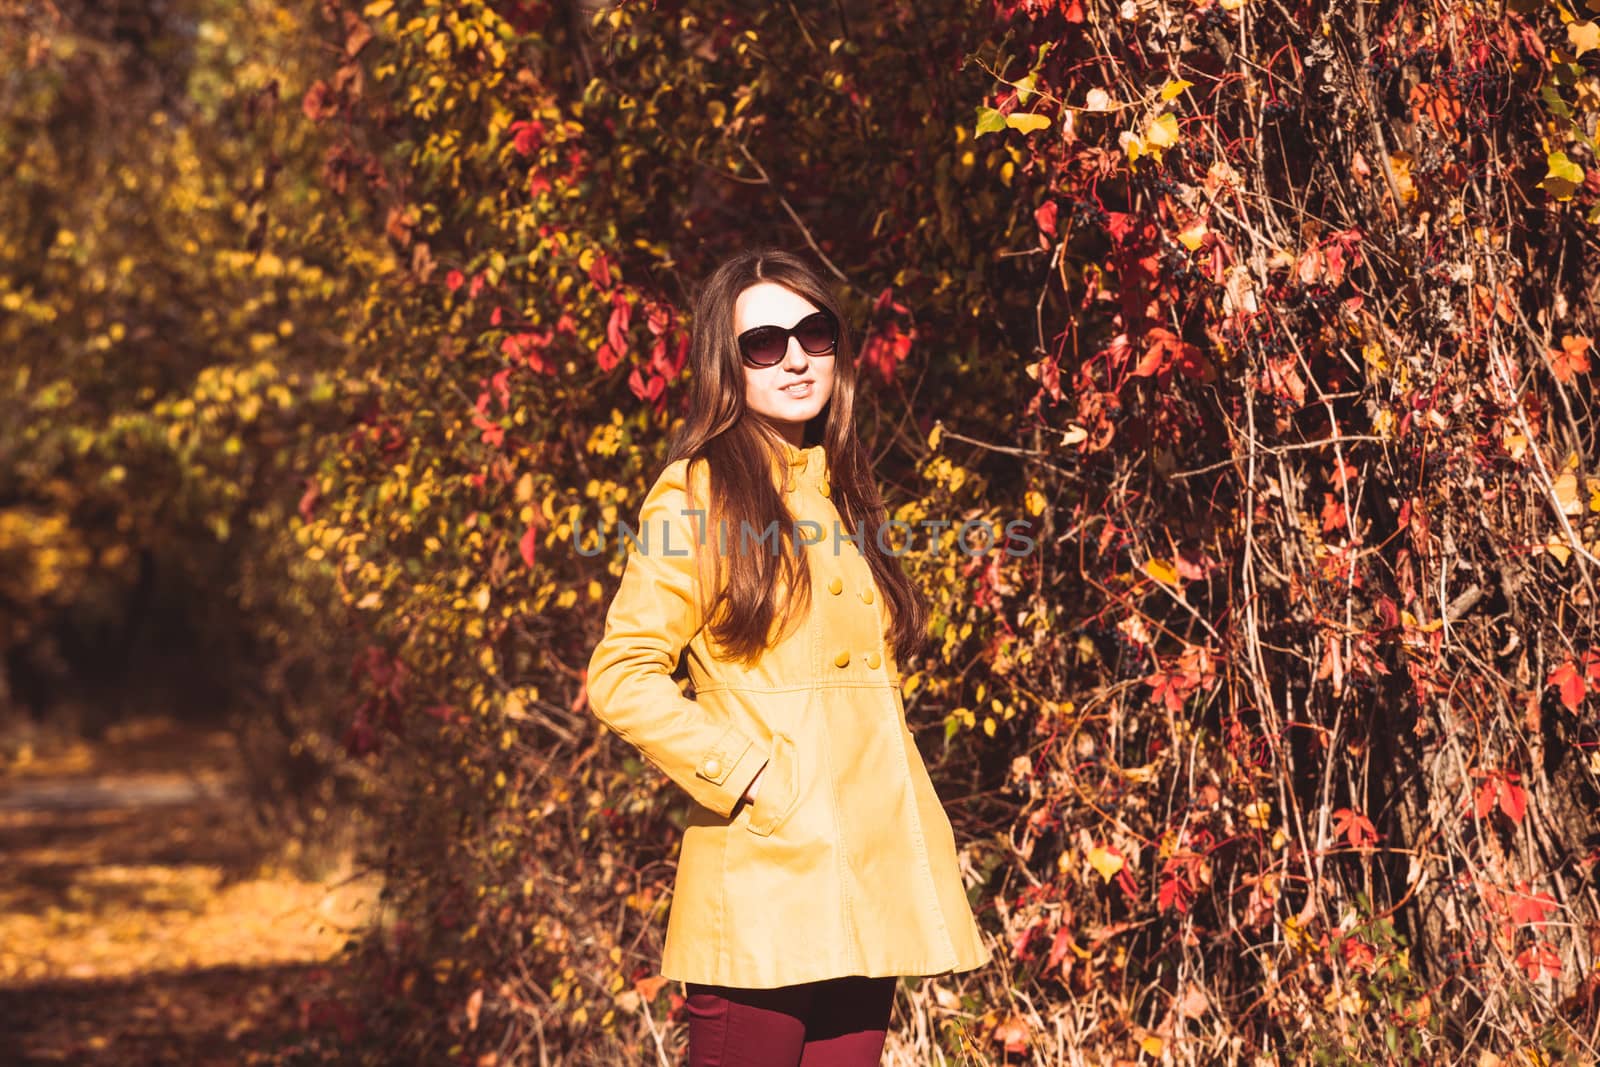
{"x":818,"y":864}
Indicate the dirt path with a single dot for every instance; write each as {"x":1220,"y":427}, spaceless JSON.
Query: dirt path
{"x":138,"y":923}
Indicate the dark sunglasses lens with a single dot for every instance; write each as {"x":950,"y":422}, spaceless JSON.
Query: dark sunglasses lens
{"x":764,"y":345}
{"x":816,"y":332}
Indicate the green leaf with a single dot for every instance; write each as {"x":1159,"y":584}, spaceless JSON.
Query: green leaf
{"x":1553,"y":101}
{"x":989,"y":121}
{"x":1564,"y":177}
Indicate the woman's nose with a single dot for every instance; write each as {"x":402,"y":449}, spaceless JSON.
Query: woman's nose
{"x":795,"y":356}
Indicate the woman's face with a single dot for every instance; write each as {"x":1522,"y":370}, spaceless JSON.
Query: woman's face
{"x":793,"y":390}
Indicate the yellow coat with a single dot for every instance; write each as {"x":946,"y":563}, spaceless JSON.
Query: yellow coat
{"x":845,"y":863}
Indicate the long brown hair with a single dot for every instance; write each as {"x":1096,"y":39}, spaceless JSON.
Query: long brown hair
{"x":740,"y":453}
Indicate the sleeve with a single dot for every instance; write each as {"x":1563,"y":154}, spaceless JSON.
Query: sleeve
{"x":655,"y":611}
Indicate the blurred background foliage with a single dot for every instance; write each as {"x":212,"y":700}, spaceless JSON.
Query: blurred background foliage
{"x":331,"y":327}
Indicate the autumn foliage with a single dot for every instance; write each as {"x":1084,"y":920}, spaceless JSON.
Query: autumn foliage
{"x":1279,"y":746}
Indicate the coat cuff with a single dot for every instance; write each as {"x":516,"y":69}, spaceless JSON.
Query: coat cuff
{"x":730,"y":764}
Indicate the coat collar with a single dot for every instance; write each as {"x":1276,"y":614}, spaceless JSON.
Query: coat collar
{"x":805,"y":465}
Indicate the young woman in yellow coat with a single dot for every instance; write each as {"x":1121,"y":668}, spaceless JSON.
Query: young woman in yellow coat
{"x":818,"y":864}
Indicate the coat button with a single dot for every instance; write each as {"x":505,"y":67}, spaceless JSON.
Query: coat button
{"x":710,"y":767}
{"x":866,"y":596}
{"x":836,"y":586}
{"x":872,"y":660}
{"x":842,"y":659}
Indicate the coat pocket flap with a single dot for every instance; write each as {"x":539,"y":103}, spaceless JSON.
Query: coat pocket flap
{"x":779,"y":789}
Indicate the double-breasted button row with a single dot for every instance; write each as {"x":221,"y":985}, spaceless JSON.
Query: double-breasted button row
{"x":843,"y":659}
{"x":836,"y":586}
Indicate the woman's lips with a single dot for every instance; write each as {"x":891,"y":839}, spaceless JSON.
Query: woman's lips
{"x":798,"y":389}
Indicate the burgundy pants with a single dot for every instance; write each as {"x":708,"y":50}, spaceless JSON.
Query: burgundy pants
{"x":839,"y":1022}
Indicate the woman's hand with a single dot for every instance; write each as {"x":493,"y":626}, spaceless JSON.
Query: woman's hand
{"x":750,"y":790}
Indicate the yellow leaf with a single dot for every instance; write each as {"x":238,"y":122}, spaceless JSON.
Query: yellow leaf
{"x":1027,"y":122}
{"x":1173,"y":88}
{"x":1152,"y":1044}
{"x":1400,"y":163}
{"x":934,"y":434}
{"x":1161,"y":571}
{"x":1258,"y":813}
{"x":1587,"y":91}
{"x":1035,"y":501}
{"x":1147,"y":773}
{"x":1107,"y":864}
{"x":1557,"y":548}
{"x":1192,"y":235}
{"x":1566,"y":490}
{"x":1585,"y":36}
{"x":1163,"y":132}
{"x":1133,"y":144}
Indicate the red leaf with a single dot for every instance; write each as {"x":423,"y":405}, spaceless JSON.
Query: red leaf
{"x":658,"y":317}
{"x":530,"y":541}
{"x":1359,"y":955}
{"x":1355,"y":828}
{"x":528,"y":348}
{"x":1513,"y":798}
{"x":1058,"y":946}
{"x":1531,"y":908}
{"x":502,"y":389}
{"x":1332,"y":512}
{"x":1541,"y":957}
{"x":1175,"y":893}
{"x":1484,"y":798}
{"x":1169,"y":688}
{"x":1571,"y":359}
{"x":527,"y":136}
{"x":1570,"y":682}
{"x":600,"y":271}
{"x":454,"y":280}
{"x":1158,"y":357}
{"x":643,"y":391}
{"x":1013,"y":1034}
{"x":1045,"y":216}
{"x":617,"y":327}
{"x":308,"y":499}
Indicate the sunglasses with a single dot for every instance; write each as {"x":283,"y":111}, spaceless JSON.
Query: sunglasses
{"x":765,"y":346}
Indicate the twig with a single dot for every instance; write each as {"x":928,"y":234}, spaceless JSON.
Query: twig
{"x":798,"y":221}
